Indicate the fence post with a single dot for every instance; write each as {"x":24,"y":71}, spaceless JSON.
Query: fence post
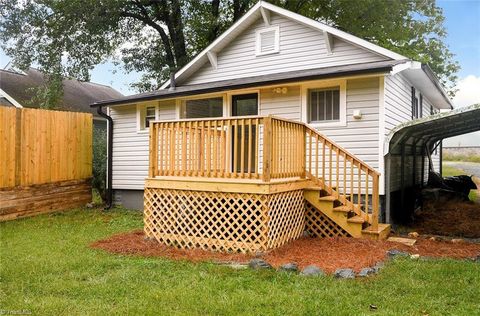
{"x":267,"y":148}
{"x":304,"y":152}
{"x":18,"y":147}
{"x":375,"y":202}
{"x":153,"y":154}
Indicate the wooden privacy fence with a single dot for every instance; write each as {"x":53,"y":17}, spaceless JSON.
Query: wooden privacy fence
{"x":263,"y":147}
{"x":40,"y":148}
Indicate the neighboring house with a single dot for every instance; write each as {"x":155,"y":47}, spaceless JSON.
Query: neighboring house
{"x":17,"y":88}
{"x":275,"y":62}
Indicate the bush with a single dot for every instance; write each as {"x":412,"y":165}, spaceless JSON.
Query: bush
{"x":100,"y":161}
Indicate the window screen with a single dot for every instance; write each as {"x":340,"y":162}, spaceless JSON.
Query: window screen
{"x":324,"y":105}
{"x":212,"y":107}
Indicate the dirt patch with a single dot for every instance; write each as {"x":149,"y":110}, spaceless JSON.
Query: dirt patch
{"x":327,"y":253}
{"x":134,"y":243}
{"x":333,"y":253}
{"x":449,"y":219}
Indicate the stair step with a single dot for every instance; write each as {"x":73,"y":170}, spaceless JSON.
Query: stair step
{"x":314,"y":188}
{"x":327,"y":198}
{"x":342,"y":208}
{"x":356,"y":219}
{"x":381,"y":233}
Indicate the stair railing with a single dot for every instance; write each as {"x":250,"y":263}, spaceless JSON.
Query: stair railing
{"x":343,"y":175}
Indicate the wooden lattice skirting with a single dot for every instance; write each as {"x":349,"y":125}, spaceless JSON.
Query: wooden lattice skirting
{"x":223,"y":221}
{"x":318,"y":224}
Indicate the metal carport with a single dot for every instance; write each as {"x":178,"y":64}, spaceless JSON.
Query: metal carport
{"x":408,"y":147}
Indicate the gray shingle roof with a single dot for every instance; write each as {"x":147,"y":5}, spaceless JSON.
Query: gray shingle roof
{"x":78,"y":95}
{"x":257,"y":81}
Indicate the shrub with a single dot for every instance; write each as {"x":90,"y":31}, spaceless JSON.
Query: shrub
{"x":100,"y":161}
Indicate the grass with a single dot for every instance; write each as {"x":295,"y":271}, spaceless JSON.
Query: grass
{"x":449,"y":171}
{"x":461,"y":157}
{"x":48,"y":268}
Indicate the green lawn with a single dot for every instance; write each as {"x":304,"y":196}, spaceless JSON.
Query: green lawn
{"x":449,"y":171}
{"x":47,"y":268}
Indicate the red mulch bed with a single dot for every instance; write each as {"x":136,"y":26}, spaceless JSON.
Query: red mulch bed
{"x":449,"y":219}
{"x":327,"y":253}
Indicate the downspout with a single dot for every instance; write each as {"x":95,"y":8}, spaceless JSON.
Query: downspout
{"x":109,"y":156}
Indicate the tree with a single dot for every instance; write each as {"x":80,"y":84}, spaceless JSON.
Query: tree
{"x":70,"y":37}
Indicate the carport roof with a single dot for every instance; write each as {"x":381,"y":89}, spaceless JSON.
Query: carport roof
{"x":433,"y":128}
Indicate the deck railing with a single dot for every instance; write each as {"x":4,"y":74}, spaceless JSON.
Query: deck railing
{"x":263,"y":147}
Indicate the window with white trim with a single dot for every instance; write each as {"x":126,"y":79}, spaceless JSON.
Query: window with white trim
{"x":202,"y":108}
{"x":268,"y":41}
{"x":324,"y":105}
{"x":145,"y":115}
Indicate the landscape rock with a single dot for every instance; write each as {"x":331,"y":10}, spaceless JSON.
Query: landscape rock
{"x":344,"y":274}
{"x":312,"y":270}
{"x":432,"y":239}
{"x":365,"y":272}
{"x":237,"y":265}
{"x":397,"y":253}
{"x":413,"y":235}
{"x":415,"y":256}
{"x":378,"y":266}
{"x":457,"y":241}
{"x":289,"y":267}
{"x":89,"y":205}
{"x":259,"y":264}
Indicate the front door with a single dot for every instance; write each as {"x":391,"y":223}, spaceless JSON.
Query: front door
{"x":244,"y":105}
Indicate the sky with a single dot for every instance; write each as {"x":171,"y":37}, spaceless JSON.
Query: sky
{"x":462,"y":21}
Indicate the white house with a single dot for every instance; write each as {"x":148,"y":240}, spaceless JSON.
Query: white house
{"x":276,"y":62}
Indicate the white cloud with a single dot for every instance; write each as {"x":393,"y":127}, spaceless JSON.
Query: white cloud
{"x":468,"y":91}
{"x":468,"y":94}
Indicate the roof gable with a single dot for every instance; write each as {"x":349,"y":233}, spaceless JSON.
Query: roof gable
{"x":300,"y":48}
{"x":263,"y":11}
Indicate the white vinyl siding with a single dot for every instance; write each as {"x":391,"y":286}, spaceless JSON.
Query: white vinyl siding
{"x":301,"y":47}
{"x":360,"y":137}
{"x":398,"y":110}
{"x":130,"y":148}
{"x":283,"y":105}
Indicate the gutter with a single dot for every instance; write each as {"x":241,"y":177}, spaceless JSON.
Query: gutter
{"x":109,"y":156}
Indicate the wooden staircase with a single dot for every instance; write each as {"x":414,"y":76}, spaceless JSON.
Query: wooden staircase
{"x":345,"y":189}
{"x":343,"y":215}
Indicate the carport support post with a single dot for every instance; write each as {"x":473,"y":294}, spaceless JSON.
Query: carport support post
{"x":423,"y":167}
{"x":414,"y":171}
{"x":388,"y":216}
{"x":402,"y":177}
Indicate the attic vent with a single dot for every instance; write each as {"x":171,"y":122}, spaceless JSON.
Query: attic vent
{"x":268,"y":41}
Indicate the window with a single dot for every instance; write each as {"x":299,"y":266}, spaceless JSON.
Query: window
{"x":324,"y":105}
{"x":245,"y":104}
{"x":415,"y":105}
{"x":201,"y":108}
{"x":145,"y":114}
{"x":268,"y":41}
{"x":149,"y":115}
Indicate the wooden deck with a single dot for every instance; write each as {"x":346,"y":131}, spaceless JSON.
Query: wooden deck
{"x":253,"y":184}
